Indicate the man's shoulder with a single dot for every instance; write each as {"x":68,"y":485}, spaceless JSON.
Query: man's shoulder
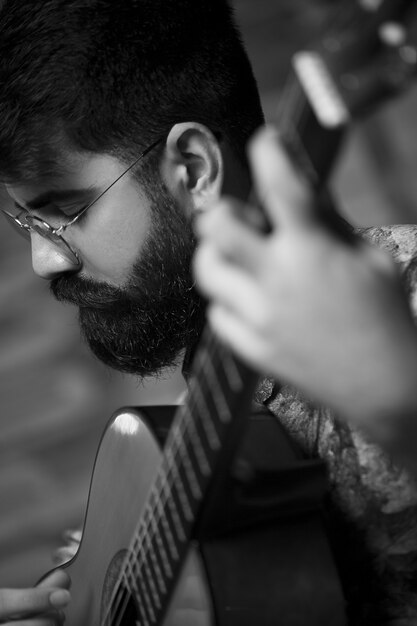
{"x":360,"y":472}
{"x":373,"y":495}
{"x":300,"y":417}
{"x":400,"y":240}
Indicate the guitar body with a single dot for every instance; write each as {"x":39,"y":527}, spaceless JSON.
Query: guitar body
{"x":125,"y":466}
{"x":250,"y":563}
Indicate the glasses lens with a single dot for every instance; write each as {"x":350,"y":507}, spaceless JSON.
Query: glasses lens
{"x":23,"y":223}
{"x":15,"y":223}
{"x":44,"y":230}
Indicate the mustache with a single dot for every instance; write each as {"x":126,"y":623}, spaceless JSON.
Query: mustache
{"x":86,"y":293}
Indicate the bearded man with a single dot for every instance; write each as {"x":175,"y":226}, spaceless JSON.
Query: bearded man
{"x":119,"y":122}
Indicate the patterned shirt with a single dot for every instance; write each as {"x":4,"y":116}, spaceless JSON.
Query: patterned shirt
{"x":372,"y":508}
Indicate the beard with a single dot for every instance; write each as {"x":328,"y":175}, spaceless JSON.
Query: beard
{"x":143,"y":327}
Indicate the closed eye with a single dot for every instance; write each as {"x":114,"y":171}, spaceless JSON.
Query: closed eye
{"x":76,"y":212}
{"x":53,"y":211}
{"x":20,"y":209}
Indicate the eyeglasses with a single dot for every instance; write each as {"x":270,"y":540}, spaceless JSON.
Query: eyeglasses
{"x":25,"y":223}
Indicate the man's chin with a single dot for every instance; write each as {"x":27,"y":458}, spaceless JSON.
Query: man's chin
{"x":133,"y":356}
{"x":132,"y":365}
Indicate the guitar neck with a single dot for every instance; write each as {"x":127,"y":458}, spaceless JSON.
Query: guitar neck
{"x":364,"y":60}
{"x":202,"y":441}
{"x":312,"y":118}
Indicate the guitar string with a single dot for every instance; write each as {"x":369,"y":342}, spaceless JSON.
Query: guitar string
{"x":122,"y":595}
{"x":210,"y":346}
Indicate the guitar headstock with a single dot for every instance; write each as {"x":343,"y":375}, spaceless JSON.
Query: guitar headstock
{"x":369,"y":54}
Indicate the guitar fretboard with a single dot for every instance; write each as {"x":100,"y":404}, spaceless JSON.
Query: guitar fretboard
{"x":202,"y":440}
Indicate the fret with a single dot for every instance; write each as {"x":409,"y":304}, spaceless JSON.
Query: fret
{"x":217,"y":394}
{"x":135,"y":581}
{"x":159,"y":550}
{"x":198,"y":448}
{"x":190,"y":472}
{"x":138,"y":597}
{"x":149,"y":578}
{"x":161,"y":547}
{"x":152,"y":574}
{"x":155,"y":563}
{"x":231,"y":371}
{"x":197,"y":402}
{"x":143,"y":593}
{"x":154,"y":591}
{"x":168,"y":493}
{"x":177,"y":525}
{"x":206,"y":420}
{"x":184,"y":502}
{"x":165,"y":523}
{"x":158,"y":509}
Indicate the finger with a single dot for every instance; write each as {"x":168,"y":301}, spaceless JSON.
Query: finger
{"x":56,"y":578}
{"x":62,"y":555}
{"x":231,"y":237}
{"x":72,"y":535}
{"x":284,"y":195}
{"x":56,"y":618}
{"x":37,"y":621}
{"x":238,"y":335}
{"x":30,"y":601}
{"x":229,"y":285}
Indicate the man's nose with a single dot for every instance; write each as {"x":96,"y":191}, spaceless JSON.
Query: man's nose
{"x":47,"y":260}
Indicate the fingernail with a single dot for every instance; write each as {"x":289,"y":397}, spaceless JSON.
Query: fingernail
{"x":60,"y":598}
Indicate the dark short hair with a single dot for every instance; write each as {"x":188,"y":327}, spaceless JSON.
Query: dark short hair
{"x":112,"y":76}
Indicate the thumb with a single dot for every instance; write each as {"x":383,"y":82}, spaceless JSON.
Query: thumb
{"x":285,"y":197}
{"x":28,"y":601}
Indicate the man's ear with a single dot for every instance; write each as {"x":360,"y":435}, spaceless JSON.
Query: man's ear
{"x":193,"y":165}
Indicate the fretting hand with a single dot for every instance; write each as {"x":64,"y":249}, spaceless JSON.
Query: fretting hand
{"x":327,"y":315}
{"x":38,"y":606}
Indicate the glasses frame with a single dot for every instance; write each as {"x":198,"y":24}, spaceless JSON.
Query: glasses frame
{"x":33,"y":223}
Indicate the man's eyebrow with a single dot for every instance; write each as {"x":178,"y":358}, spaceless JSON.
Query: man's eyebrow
{"x":63,"y":195}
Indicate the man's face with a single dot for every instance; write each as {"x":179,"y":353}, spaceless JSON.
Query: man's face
{"x":137,"y":305}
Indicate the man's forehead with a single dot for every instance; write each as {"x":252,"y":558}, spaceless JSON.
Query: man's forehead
{"x":78,"y":177}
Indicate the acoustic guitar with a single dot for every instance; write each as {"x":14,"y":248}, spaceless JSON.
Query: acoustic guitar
{"x":210,"y":516}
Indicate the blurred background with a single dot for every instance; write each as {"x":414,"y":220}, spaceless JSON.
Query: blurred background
{"x":55,"y":399}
